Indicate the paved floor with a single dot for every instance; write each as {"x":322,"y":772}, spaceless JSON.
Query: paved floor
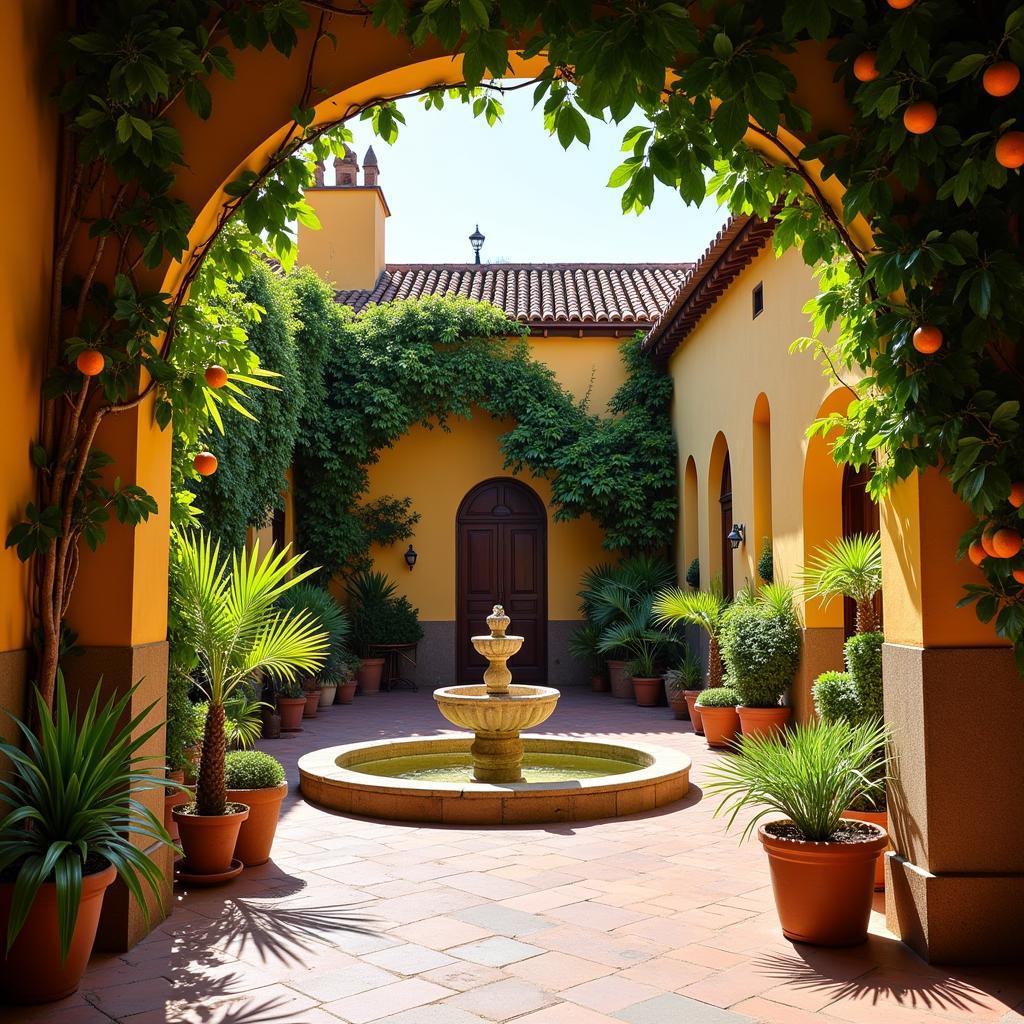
{"x":656,"y":919}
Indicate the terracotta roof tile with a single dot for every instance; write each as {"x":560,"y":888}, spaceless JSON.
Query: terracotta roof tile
{"x":543,"y":295}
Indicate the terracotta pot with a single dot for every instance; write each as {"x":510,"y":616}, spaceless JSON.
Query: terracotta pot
{"x":598,"y":683}
{"x":880,"y":818}
{"x":695,"y":719}
{"x":256,"y":836}
{"x":33,"y":972}
{"x":290,"y":709}
{"x":208,"y":840}
{"x":619,"y":680}
{"x":677,"y":702}
{"x":823,"y":890}
{"x":721,"y":726}
{"x":174,"y":798}
{"x":312,"y":699}
{"x":327,"y":694}
{"x":346,"y":691}
{"x":763,"y":721}
{"x":647,"y":691}
{"x":369,"y":675}
{"x":272,"y":726}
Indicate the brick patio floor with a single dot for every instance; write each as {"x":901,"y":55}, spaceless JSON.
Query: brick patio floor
{"x":660,"y":918}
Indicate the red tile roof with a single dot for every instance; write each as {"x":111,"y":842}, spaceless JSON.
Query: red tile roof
{"x":556,"y":297}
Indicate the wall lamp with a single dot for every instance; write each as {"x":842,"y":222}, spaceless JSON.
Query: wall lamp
{"x":736,"y":536}
{"x":410,"y":557}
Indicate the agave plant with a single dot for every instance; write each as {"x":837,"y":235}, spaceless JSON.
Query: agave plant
{"x":703,"y":608}
{"x":848,"y":567}
{"x":812,"y":776}
{"x":73,"y":789}
{"x":227,"y":606}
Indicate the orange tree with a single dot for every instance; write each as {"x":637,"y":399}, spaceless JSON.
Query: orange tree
{"x":931,"y":315}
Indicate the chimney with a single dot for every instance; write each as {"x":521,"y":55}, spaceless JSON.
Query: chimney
{"x":371,"y":172}
{"x":346,"y":169}
{"x":318,"y":174}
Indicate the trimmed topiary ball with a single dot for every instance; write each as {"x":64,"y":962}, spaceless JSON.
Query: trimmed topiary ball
{"x":693,"y":574}
{"x":835,"y":698}
{"x":718,"y":697}
{"x":766,"y":562}
{"x":864,"y":663}
{"x":252,"y":769}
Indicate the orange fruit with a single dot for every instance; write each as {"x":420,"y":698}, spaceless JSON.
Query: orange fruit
{"x":864,"y":69}
{"x":205,"y":463}
{"x":1018,"y":575}
{"x":986,"y":542}
{"x":928,"y":339}
{"x":90,"y":362}
{"x":1017,"y":494}
{"x":1001,"y":79}
{"x":920,"y":117}
{"x":216,"y":376}
{"x":976,"y":553}
{"x":1007,"y":543}
{"x":901,"y":5}
{"x":1010,"y":150}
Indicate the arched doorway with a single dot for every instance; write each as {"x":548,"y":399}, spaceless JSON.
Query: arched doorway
{"x":501,"y":558}
{"x":725,"y":505}
{"x":860,"y":515}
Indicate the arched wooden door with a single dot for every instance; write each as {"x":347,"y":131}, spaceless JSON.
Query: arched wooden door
{"x":860,"y":515}
{"x":725,"y":503}
{"x":501,"y":555}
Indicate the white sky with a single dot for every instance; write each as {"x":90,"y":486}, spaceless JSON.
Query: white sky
{"x":534,"y":201}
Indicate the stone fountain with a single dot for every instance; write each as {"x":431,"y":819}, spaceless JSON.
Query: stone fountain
{"x":497,"y":712}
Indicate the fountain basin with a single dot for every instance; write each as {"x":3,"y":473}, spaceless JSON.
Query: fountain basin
{"x":473,"y":708}
{"x":332,"y":777}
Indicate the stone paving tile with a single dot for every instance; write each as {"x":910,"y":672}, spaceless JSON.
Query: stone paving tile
{"x":437,"y":1013}
{"x":556,"y":971}
{"x":593,"y":914}
{"x":462,"y":975}
{"x":391,"y":999}
{"x":409,"y":958}
{"x":502,"y":1000}
{"x":503,"y":919}
{"x":497,"y":951}
{"x":442,"y":932}
{"x":328,"y":985}
{"x":611,"y":949}
{"x":675,"y":1009}
{"x":610,"y":993}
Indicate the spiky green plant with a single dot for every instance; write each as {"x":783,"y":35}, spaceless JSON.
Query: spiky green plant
{"x":322,"y":606}
{"x":228,"y":613}
{"x":73,"y":792}
{"x":638,"y":633}
{"x":703,"y":608}
{"x":584,"y":644}
{"x":848,"y":567}
{"x":811,"y":776}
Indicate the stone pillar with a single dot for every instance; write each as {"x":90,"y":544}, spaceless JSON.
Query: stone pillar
{"x":955,"y":706}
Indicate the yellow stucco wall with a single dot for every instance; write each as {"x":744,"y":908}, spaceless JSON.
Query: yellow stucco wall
{"x":348,"y":250}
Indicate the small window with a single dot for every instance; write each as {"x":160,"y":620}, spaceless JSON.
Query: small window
{"x":757,"y":300}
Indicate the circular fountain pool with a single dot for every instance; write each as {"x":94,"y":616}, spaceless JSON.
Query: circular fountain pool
{"x":431,"y":780}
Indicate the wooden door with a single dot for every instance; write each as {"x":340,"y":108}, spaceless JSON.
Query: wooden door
{"x":725,"y":502}
{"x":501,"y":547}
{"x":860,"y":515}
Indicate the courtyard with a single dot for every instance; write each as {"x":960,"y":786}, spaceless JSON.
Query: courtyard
{"x":660,"y":918}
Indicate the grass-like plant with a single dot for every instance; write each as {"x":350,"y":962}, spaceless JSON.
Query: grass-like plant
{"x":848,"y":567}
{"x":811,"y":777}
{"x":703,"y":608}
{"x":73,"y":792}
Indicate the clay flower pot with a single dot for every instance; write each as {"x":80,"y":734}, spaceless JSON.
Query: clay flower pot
{"x":290,"y":709}
{"x":647,"y":691}
{"x":763,"y":721}
{"x":880,"y":818}
{"x":677,"y":702}
{"x":691,"y":698}
{"x":33,"y":972}
{"x":271,"y":725}
{"x":620,"y":683}
{"x":174,"y":798}
{"x":256,"y":836}
{"x":369,"y":675}
{"x":721,"y":726}
{"x":208,"y":840}
{"x":312,"y":699}
{"x":823,"y":890}
{"x":598,"y":683}
{"x":327,"y":694}
{"x":346,"y":691}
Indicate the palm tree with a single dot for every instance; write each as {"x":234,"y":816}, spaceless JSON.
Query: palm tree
{"x":228,"y":614}
{"x":638,"y":633}
{"x":704,"y":608}
{"x":848,"y":567}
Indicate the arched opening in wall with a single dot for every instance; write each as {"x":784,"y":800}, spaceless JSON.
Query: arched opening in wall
{"x":501,"y":558}
{"x":725,"y":518}
{"x":762,"y":466}
{"x":690,"y":526}
{"x":860,"y":515}
{"x":720,"y":553}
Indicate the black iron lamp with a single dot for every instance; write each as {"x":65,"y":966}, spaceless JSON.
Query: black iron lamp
{"x":736,"y":535}
{"x":410,"y":557}
{"x":477,"y":241}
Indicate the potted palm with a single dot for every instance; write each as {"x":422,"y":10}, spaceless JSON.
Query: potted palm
{"x":256,"y":780}
{"x":848,"y":567}
{"x":324,"y":609}
{"x":719,"y":720}
{"x":703,"y":608}
{"x":348,"y":665}
{"x":822,"y":866}
{"x":379,"y":618}
{"x":75,"y":824}
{"x":682,"y":682}
{"x":638,"y":633}
{"x":228,"y":606}
{"x":761,"y":640}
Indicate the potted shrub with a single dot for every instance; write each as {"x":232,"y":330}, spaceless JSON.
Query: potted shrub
{"x":184,"y":731}
{"x":703,"y":608}
{"x":683,"y":686}
{"x":766,"y":562}
{"x":324,"y":609}
{"x":717,"y":708}
{"x":638,"y":633}
{"x":291,"y":704}
{"x":822,"y":865}
{"x":229,"y":607}
{"x":256,"y":780}
{"x":760,"y":641}
{"x":73,"y":790}
{"x":584,"y":644}
{"x":348,"y":665}
{"x":379,"y":617}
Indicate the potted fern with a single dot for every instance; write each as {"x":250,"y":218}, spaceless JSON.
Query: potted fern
{"x":380,"y":617}
{"x":682,"y":682}
{"x":638,"y":633}
{"x":324,"y":609}
{"x":228,"y":608}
